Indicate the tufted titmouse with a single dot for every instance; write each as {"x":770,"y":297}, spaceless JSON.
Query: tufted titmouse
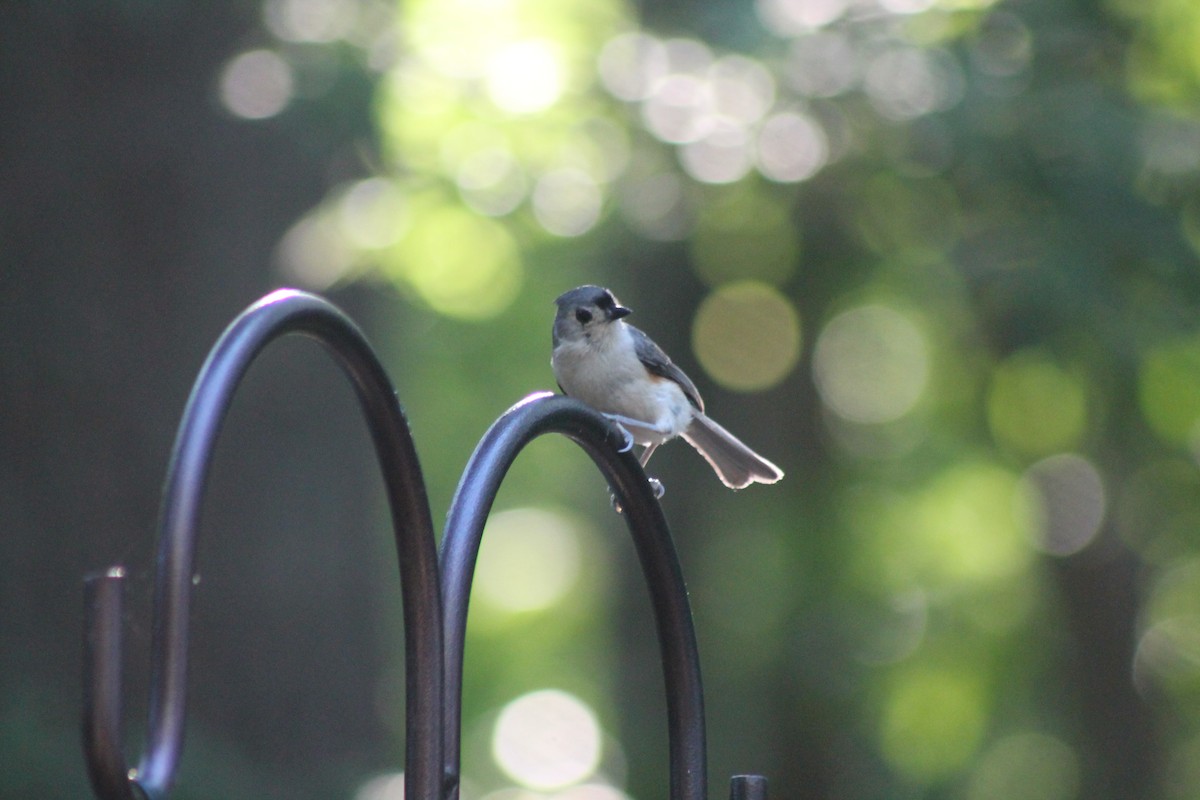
{"x":617,"y":370}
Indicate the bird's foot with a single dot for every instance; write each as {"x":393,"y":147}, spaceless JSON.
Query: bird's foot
{"x":656,"y":486}
{"x":627,"y":437}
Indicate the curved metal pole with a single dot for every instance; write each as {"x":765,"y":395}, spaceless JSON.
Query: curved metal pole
{"x":548,"y":413}
{"x":279,"y":313}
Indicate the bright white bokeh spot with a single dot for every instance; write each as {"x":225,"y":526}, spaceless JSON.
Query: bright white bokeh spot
{"x":791,"y":147}
{"x":871,"y":364}
{"x":256,"y":85}
{"x":742,"y":89}
{"x":372,"y":213}
{"x":547,"y":740}
{"x":529,"y":559}
{"x":1069,"y":496}
{"x":567,"y":202}
{"x":680,"y":109}
{"x":631,"y":64}
{"x":389,"y":786}
{"x":787,"y":18}
{"x":723,"y":155}
{"x":314,"y":252}
{"x":314,"y":21}
{"x":525,"y":77}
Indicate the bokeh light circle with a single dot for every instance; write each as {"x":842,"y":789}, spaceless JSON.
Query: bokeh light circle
{"x":567,"y":202}
{"x":1030,"y":766}
{"x":933,"y":720}
{"x":871,"y":364}
{"x":1069,"y":503}
{"x":722,"y":155}
{"x":525,"y":77}
{"x":1035,"y":406}
{"x":791,"y":147}
{"x":747,"y":336}
{"x":257,"y":84}
{"x":529,"y":559}
{"x":460,"y":263}
{"x":1169,"y":390}
{"x":546,"y":740}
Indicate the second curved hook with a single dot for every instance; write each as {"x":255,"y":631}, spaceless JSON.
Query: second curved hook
{"x":280,"y":313}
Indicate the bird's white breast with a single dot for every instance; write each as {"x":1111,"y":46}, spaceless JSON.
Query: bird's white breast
{"x":605,"y":372}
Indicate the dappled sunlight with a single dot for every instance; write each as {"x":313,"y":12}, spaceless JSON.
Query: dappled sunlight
{"x":933,"y":246}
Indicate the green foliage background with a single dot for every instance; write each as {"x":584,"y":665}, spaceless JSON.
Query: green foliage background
{"x":954,"y":298}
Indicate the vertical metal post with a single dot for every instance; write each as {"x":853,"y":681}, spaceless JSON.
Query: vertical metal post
{"x":748,"y":787}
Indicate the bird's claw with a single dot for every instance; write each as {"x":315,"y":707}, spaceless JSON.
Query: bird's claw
{"x":656,"y":486}
{"x":627,"y":438}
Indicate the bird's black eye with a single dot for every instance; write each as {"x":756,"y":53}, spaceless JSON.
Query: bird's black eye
{"x":583,"y":315}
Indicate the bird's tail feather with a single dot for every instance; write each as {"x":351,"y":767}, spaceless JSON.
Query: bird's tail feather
{"x":736,"y":464}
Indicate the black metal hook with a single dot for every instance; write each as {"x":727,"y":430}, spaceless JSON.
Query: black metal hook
{"x":433,"y":641}
{"x":280,"y":313}
{"x":548,"y":413}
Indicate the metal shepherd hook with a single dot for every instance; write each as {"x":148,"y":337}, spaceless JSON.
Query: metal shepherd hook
{"x":280,"y":313}
{"x":433,"y":641}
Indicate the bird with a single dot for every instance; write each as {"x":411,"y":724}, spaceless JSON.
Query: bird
{"x":618,"y":370}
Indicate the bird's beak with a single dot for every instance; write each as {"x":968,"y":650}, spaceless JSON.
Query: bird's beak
{"x":618,"y":312}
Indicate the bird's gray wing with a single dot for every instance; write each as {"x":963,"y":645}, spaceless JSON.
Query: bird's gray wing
{"x":658,"y":363}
